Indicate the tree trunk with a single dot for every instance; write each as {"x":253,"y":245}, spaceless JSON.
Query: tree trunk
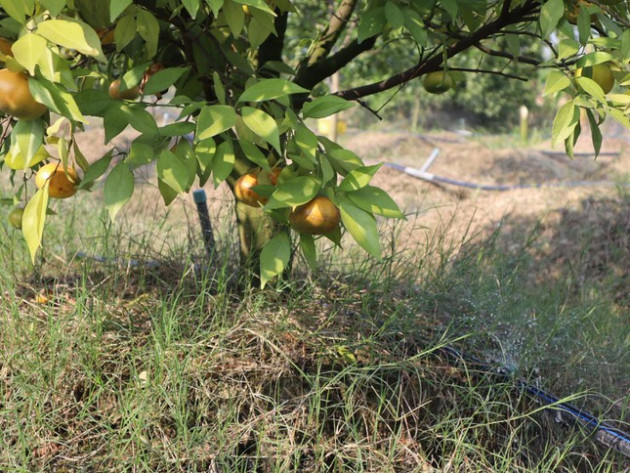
{"x":255,"y":229}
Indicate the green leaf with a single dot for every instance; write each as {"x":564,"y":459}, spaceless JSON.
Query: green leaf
{"x":620,"y":117}
{"x":54,"y":6}
{"x":72,"y":34}
{"x":260,"y":26}
{"x":415,"y":26}
{"x":28,"y":50}
{"x":593,"y":59}
{"x":140,"y":154}
{"x":116,"y":7}
{"x":567,"y":118}
{"x":167,"y":193}
{"x":371,"y":23}
{"x":118,"y":189}
{"x":149,"y":30}
{"x":215,"y":6}
{"x":293,"y":192}
{"x":263,"y":125}
{"x":591,"y":87}
{"x":358,"y":178}
{"x":29,"y":136}
{"x":325,"y":106}
{"x":556,"y":81}
{"x":550,"y":14}
{"x":376,"y":201}
{"x":93,"y":102}
{"x":219,"y":90}
{"x":55,"y":98}
{"x":213,"y":120}
{"x":177,"y":129}
{"x":596,"y":134}
{"x":394,"y":15}
{"x":192,"y":6}
{"x":254,"y":154}
{"x":269,"y":89}
{"x":307,"y":245}
{"x":274,"y":257}
{"x":343,"y":160}
{"x":96,"y":170}
{"x":15,"y":159}
{"x":115,"y":121}
{"x":125,"y":31}
{"x":172,"y":170}
{"x":451,"y":7}
{"x":204,"y":151}
{"x":234,"y":17}
{"x":140,"y":119}
{"x":223,"y":162}
{"x":361,"y":225}
{"x":18,"y":9}
{"x":163,"y":79}
{"x":306,"y":141}
{"x":34,"y":218}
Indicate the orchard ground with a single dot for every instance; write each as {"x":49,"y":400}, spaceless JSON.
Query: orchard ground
{"x":161,"y":369}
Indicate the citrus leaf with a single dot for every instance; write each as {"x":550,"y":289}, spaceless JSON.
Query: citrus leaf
{"x":118,"y":189}
{"x":550,"y":14}
{"x":28,"y":135}
{"x":254,"y":154}
{"x":596,"y":134}
{"x":149,"y":30}
{"x":72,"y":34}
{"x":168,"y":194}
{"x":371,"y":23}
{"x":214,"y":119}
{"x":358,"y":178}
{"x":293,"y":192}
{"x":55,"y":98}
{"x":223,"y":162}
{"x":567,"y":118}
{"x":556,"y":81}
{"x":28,"y":50}
{"x":96,"y":170}
{"x":33,"y":220}
{"x":116,"y":7}
{"x":325,"y":106}
{"x":307,"y":245}
{"x":274,"y":257}
{"x":269,"y":89}
{"x":172,"y":170}
{"x":592,"y":88}
{"x":376,"y":201}
{"x":18,"y":9}
{"x":361,"y":225}
{"x":163,"y":79}
{"x":263,"y":125}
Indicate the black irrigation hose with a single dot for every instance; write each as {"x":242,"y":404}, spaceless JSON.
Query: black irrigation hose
{"x":430,"y":177}
{"x":605,"y":434}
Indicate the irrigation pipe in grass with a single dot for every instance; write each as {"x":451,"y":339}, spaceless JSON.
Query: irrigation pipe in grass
{"x":605,"y":434}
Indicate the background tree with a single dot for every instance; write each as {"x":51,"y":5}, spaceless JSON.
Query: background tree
{"x":246,"y":74}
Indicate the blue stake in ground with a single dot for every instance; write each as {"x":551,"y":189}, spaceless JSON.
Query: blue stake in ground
{"x":200,"y":199}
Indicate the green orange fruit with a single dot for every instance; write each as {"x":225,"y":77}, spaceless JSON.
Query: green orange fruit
{"x":437,"y":82}
{"x":15,"y":217}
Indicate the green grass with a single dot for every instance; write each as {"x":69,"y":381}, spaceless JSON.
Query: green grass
{"x":176,"y":370}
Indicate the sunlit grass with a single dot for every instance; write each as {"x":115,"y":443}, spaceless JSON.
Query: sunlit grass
{"x":182,"y":367}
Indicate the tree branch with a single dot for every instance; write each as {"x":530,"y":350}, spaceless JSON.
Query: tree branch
{"x":271,"y":48}
{"x":514,"y":16}
{"x":506,"y":55}
{"x":490,"y":71}
{"x":310,"y":76}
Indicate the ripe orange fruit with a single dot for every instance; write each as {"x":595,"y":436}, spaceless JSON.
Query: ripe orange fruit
{"x":15,"y":217}
{"x":437,"y":82}
{"x":61,"y":185}
{"x":245,"y":193}
{"x":317,"y":217}
{"x":117,"y":94}
{"x":106,"y":35}
{"x":15,"y":97}
{"x":5,"y":46}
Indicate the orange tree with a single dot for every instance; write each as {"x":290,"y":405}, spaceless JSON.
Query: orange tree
{"x":246,"y":75}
